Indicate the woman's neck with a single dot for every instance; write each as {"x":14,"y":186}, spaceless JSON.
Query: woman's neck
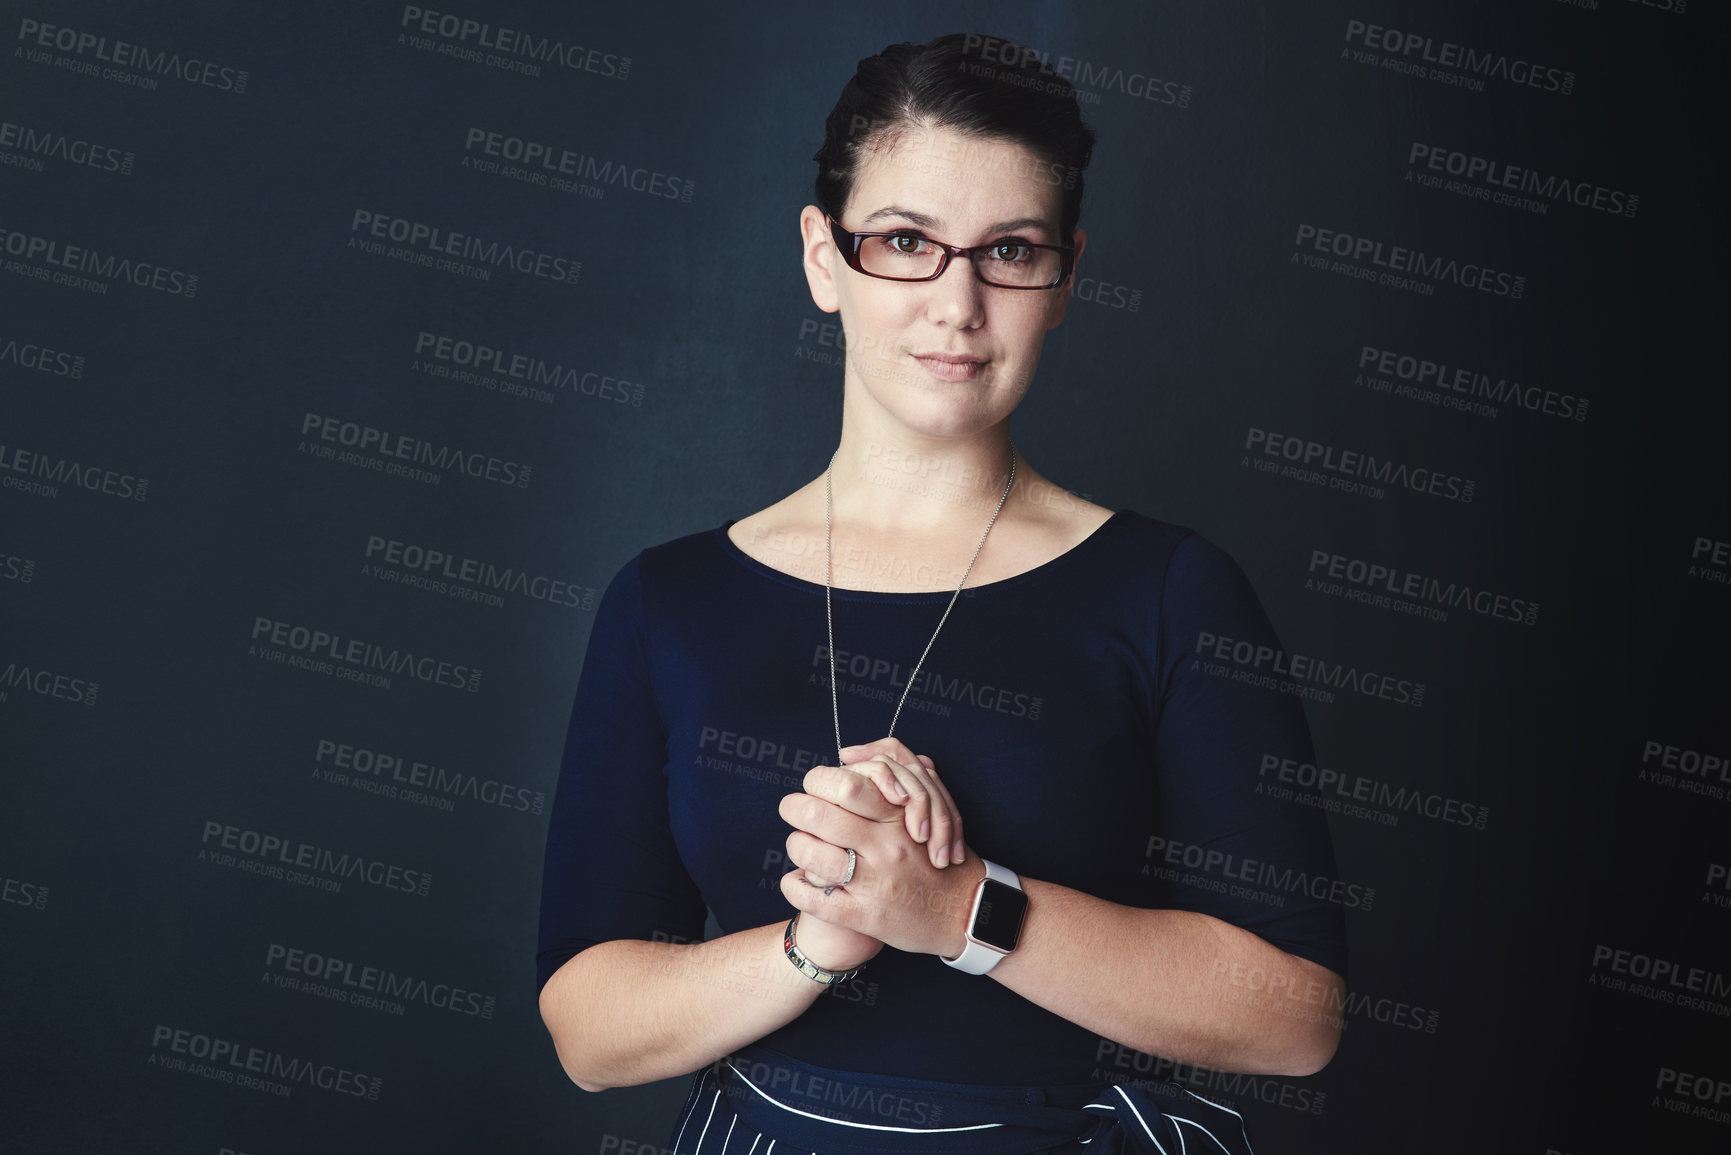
{"x":893,"y":481}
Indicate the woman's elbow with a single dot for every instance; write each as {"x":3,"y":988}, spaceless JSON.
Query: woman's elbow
{"x":1312,"y":1052}
{"x":577,"y":1066}
{"x":1312,"y":1048}
{"x":584,"y":1084}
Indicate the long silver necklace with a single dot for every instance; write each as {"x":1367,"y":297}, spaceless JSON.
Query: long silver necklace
{"x":829,"y":608}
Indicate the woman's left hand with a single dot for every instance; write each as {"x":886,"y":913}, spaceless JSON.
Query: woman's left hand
{"x":896,"y":895}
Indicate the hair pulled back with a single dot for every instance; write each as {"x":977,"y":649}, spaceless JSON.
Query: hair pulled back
{"x":980,"y":86}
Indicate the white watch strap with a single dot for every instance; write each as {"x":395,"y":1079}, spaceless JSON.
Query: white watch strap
{"x":977,"y":958}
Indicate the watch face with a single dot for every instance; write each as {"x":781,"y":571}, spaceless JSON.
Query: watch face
{"x":998,"y":922}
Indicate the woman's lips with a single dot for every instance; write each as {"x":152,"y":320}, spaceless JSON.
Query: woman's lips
{"x":949,"y":366}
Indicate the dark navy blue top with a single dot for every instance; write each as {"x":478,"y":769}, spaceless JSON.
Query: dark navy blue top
{"x":1070,"y":709}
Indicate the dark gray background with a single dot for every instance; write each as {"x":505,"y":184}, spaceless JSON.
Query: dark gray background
{"x":702,"y":304}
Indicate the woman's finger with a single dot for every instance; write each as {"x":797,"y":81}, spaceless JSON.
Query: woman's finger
{"x":894,"y":747}
{"x":824,"y":864}
{"x":887,"y":783}
{"x":859,"y":789}
{"x":932,"y":816}
{"x":941,"y":793}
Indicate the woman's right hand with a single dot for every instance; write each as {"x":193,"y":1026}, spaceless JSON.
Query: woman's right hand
{"x":911,"y":781}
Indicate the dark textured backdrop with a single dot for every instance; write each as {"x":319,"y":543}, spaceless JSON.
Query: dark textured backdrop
{"x":346,"y":350}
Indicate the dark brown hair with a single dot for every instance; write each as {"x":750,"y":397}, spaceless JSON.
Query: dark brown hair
{"x":978,"y":85}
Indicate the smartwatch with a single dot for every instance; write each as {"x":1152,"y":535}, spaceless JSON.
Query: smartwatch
{"x":996,"y":921}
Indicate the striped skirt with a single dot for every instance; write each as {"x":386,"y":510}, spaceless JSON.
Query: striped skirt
{"x":761,"y":1102}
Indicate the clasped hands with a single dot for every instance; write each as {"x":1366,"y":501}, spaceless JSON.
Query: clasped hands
{"x":914,"y":878}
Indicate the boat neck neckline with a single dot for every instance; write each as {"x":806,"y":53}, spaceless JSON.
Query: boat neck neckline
{"x":1044,"y":569}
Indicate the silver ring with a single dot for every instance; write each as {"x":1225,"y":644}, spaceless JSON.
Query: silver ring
{"x":852,"y":861}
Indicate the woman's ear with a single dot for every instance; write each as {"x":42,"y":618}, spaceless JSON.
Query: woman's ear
{"x":819,"y":257}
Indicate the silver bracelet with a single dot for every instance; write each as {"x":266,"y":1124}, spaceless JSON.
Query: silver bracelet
{"x":808,"y":968}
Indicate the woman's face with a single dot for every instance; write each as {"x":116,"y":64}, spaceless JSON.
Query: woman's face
{"x":952,"y":357}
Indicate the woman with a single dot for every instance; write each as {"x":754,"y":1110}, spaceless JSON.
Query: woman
{"x":1044,"y":670}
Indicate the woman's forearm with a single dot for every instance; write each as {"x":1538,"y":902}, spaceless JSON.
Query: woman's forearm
{"x":1174,"y":983}
{"x":1179,"y":984}
{"x":627,"y":1012}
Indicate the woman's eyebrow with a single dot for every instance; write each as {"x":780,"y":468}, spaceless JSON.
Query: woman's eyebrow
{"x":920,"y":219}
{"x":927,"y":222}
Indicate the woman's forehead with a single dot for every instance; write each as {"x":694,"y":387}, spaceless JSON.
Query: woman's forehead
{"x":940,"y":178}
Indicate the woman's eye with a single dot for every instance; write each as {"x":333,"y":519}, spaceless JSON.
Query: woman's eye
{"x":1011,"y":252}
{"x":907,"y":244}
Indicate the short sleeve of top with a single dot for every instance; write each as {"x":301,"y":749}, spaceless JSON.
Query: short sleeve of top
{"x":1229,"y":719}
{"x":1108,"y":721}
{"x":611,"y":868}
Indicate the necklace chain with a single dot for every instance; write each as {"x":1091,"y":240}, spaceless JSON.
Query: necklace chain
{"x":829,"y":607}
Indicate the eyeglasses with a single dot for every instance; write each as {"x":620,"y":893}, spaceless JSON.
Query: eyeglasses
{"x":905,"y":255}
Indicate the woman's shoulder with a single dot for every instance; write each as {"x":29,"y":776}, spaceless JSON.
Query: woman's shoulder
{"x":1162,"y":543}
{"x":688,"y":554}
{"x":685,"y":547}
{"x":1184,"y":564}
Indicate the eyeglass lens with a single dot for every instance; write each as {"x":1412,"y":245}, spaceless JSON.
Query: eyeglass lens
{"x":903,"y":256}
